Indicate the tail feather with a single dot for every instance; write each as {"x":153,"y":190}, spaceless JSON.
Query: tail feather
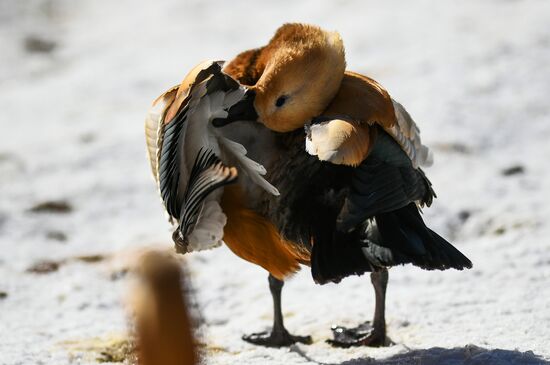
{"x":404,"y":233}
{"x":456,"y":258}
{"x":395,"y":238}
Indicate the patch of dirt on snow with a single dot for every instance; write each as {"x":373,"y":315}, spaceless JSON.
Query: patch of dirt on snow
{"x":54,"y":206}
{"x":111,"y":349}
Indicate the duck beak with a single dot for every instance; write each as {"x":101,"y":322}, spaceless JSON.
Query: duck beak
{"x":242,"y":110}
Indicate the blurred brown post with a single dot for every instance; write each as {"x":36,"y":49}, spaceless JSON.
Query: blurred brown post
{"x":163,"y":326}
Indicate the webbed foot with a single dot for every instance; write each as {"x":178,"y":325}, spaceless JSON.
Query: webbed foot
{"x":276,"y":339}
{"x":362,"y":335}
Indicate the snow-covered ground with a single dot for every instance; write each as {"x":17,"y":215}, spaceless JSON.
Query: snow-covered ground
{"x":76,"y":78}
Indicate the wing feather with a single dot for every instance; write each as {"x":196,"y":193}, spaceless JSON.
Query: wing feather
{"x":153,"y":123}
{"x":208,"y":174}
{"x":341,"y":141}
{"x":384,"y":182}
{"x":363,"y":102}
{"x":407,"y":134}
{"x":191,"y":160}
{"x":255,"y":171}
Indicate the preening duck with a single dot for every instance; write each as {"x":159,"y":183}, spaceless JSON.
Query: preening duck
{"x":328,"y":168}
{"x":346,"y":159}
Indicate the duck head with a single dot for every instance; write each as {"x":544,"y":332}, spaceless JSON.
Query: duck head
{"x":303,"y":67}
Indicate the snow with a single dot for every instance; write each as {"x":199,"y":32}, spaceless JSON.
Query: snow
{"x":474,"y":75}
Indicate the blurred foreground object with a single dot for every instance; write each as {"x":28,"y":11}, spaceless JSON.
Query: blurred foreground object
{"x":163,"y":325}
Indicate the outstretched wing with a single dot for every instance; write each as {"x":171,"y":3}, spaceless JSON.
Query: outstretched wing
{"x":185,"y":138}
{"x":208,"y":173}
{"x":184,"y":155}
{"x":191,"y":160}
{"x":165,"y":107}
{"x":153,"y":124}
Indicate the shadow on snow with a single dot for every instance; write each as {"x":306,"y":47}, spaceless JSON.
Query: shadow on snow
{"x":467,"y":355}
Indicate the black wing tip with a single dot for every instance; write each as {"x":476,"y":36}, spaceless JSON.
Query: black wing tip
{"x":454,"y":258}
{"x":410,"y":241}
{"x":208,"y":174}
{"x":219,"y":80}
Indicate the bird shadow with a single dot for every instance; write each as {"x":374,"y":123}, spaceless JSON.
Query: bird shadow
{"x":467,"y":355}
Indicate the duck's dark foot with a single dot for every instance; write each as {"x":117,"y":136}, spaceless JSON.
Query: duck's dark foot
{"x":276,"y":339}
{"x":362,"y":335}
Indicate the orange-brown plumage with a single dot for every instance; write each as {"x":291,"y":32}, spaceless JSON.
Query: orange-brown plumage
{"x":343,"y":141}
{"x":255,"y":239}
{"x":246,"y":67}
{"x":359,"y":104}
{"x":283,"y":64}
{"x":246,"y":233}
{"x":296,"y":52}
{"x":362,"y":99}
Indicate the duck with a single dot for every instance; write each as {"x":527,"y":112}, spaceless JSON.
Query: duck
{"x":290,"y":160}
{"x":347,"y":160}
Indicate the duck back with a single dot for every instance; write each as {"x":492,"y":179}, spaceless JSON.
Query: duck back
{"x":352,"y":220}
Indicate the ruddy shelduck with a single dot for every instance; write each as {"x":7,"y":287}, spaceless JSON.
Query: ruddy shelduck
{"x":328,"y":165}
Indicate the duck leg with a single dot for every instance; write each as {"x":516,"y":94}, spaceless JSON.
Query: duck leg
{"x":367,"y":334}
{"x":279,"y":336}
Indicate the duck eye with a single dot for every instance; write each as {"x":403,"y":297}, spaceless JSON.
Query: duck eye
{"x":281,"y":101}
